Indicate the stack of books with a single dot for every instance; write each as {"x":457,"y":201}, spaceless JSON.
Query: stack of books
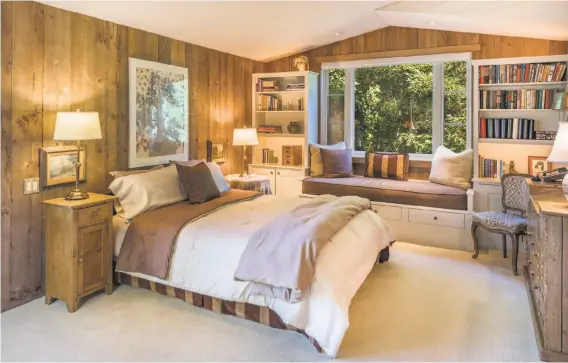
{"x":295,"y":86}
{"x":269,"y":103}
{"x":523,"y":99}
{"x":522,"y":73}
{"x":266,"y":86}
{"x":269,"y":129}
{"x":491,"y":168}
{"x":506,"y":128}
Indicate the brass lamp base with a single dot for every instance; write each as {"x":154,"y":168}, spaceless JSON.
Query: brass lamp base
{"x":76,"y":195}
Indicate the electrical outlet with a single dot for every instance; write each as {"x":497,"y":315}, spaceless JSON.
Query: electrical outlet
{"x":31,"y":186}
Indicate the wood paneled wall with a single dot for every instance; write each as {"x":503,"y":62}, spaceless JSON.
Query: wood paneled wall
{"x":54,"y":60}
{"x":397,"y":38}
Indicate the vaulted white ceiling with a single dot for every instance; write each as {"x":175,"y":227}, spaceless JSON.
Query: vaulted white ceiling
{"x":267,"y":30}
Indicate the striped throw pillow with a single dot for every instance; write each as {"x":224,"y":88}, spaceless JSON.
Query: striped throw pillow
{"x":387,"y":166}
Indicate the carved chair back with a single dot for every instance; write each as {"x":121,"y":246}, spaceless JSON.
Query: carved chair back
{"x":515,"y":193}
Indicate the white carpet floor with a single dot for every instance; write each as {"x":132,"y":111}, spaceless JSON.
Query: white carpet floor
{"x":425,"y":304}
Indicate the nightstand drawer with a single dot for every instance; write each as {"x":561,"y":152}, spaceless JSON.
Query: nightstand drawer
{"x":94,"y":214}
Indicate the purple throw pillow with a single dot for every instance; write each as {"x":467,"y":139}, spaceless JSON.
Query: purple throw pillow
{"x":337,"y":163}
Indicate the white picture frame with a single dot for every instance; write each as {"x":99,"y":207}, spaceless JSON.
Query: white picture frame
{"x":159,"y":119}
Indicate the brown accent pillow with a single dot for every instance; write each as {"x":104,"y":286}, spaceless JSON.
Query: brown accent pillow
{"x":337,"y":163}
{"x":387,"y":166}
{"x":198,"y":183}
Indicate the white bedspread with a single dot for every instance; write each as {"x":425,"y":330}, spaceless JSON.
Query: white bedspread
{"x":208,"y":252}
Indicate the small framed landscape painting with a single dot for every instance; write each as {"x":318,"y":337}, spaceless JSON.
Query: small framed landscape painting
{"x":216,"y":151}
{"x":538,"y":164}
{"x":158,"y":98}
{"x":57,"y":165}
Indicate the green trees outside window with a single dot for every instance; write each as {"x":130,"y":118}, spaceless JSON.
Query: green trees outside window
{"x":393,"y":107}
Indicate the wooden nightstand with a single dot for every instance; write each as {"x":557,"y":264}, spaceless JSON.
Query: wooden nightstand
{"x":78,"y":248}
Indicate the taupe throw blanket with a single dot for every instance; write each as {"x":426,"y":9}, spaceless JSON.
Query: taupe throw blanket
{"x":280,"y":258}
{"x":150,"y":239}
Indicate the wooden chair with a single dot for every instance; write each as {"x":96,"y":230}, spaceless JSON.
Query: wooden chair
{"x":515,"y":199}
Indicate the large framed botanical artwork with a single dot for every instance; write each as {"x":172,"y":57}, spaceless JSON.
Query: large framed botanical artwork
{"x":158,"y":127}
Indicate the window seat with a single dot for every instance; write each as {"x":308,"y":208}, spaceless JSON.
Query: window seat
{"x":411,"y":192}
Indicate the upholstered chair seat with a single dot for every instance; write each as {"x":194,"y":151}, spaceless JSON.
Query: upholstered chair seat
{"x":511,"y":222}
{"x":501,"y":221}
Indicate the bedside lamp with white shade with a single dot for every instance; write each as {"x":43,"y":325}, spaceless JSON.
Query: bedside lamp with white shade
{"x":77,"y":126}
{"x":245,"y":137}
{"x":559,"y":153}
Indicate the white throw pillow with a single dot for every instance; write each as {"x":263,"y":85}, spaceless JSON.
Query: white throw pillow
{"x":316,"y":163}
{"x":139,"y":193}
{"x":218,"y":177}
{"x":449,"y":168}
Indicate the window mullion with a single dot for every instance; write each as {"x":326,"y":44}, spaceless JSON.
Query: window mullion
{"x":437,"y":105}
{"x":349,"y":108}
{"x":324,"y":84}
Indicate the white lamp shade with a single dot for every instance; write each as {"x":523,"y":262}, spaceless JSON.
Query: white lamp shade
{"x":244,"y":137}
{"x":559,"y":153}
{"x":77,"y":126}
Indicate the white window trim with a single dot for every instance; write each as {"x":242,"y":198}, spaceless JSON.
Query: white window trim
{"x":437,"y":99}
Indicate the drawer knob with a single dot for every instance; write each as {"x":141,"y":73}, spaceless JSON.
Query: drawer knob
{"x":81,"y":260}
{"x":278,"y":173}
{"x":271,"y":172}
{"x":95,"y":213}
{"x":535,"y":287}
{"x":435,"y":218}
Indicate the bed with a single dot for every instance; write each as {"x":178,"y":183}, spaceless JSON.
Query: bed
{"x":208,"y":250}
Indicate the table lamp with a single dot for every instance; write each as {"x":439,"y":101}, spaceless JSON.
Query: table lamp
{"x":77,"y":126}
{"x":245,"y":137}
{"x":559,"y":153}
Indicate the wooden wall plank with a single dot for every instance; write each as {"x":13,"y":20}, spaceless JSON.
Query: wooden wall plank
{"x":7,"y":43}
{"x":557,"y":47}
{"x":203,"y":91}
{"x":122,"y":41}
{"x":27,"y":97}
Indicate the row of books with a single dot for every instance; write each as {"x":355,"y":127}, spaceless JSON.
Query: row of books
{"x":523,"y":99}
{"x":269,"y":129}
{"x":507,"y":128}
{"x":266,"y":86}
{"x":491,"y":168}
{"x":522,"y":73}
{"x":269,"y":103}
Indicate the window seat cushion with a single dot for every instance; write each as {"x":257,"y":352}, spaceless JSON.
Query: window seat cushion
{"x":411,"y":192}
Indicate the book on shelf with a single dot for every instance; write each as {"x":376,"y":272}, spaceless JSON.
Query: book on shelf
{"x":269,"y":103}
{"x":522,"y":73}
{"x":491,"y":168}
{"x":266,"y":86}
{"x":295,"y":86}
{"x":522,"y":99}
{"x":269,"y":129}
{"x":507,"y":128}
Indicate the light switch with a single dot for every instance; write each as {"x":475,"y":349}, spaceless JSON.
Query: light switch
{"x":31,"y":186}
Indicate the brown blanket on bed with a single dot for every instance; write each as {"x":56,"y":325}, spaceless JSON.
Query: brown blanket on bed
{"x":150,"y":240}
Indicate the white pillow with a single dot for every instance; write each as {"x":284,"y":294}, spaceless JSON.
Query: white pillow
{"x":316,"y":163}
{"x":139,"y":193}
{"x":449,"y":168}
{"x":217,"y":174}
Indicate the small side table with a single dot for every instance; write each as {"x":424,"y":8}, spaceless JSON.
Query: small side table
{"x":260,"y":183}
{"x":78,"y":248}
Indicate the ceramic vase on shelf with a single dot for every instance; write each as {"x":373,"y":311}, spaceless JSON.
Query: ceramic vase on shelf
{"x":294,"y":127}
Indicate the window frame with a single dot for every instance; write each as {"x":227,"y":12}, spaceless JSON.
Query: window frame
{"x":438,"y":92}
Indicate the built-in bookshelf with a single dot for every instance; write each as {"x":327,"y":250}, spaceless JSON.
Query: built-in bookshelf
{"x":285,"y":107}
{"x":515,"y":111}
